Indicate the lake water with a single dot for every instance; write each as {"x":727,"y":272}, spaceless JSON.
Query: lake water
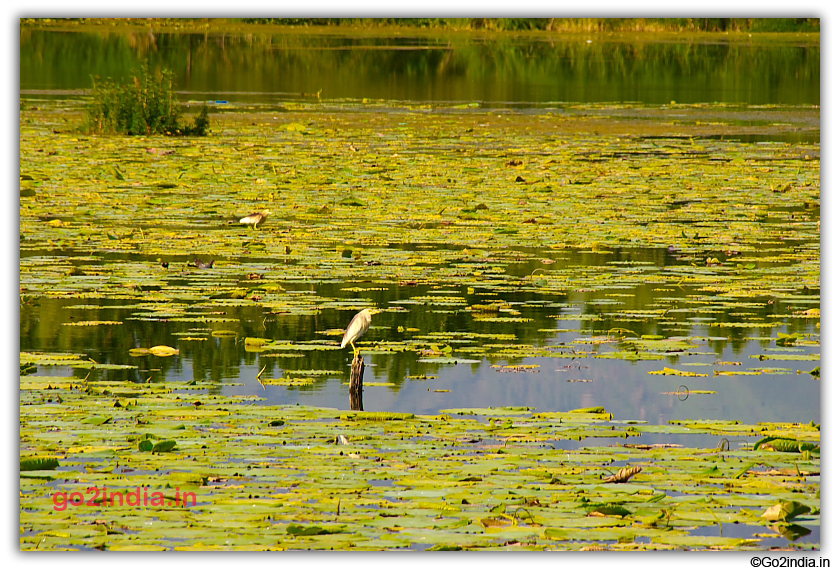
{"x":555,"y":222}
{"x":436,"y":314}
{"x":526,"y":75}
{"x":501,"y":70}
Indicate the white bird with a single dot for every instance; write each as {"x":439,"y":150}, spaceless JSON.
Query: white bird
{"x":358,"y":326}
{"x":255,"y":218}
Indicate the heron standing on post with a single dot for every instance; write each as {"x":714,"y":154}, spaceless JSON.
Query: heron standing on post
{"x":357,"y":328}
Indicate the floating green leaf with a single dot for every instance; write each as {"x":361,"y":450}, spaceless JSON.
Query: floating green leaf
{"x":38,"y":464}
{"x":312,"y":530}
{"x":164,"y":446}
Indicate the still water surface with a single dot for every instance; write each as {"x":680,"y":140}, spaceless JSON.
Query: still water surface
{"x":500,"y":69}
{"x":513,"y":71}
{"x":565,"y":324}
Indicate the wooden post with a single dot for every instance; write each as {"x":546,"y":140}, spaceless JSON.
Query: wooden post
{"x":356,"y":403}
{"x":357,"y":372}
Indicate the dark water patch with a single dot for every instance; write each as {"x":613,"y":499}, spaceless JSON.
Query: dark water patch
{"x":430,"y":68}
{"x":808,"y":534}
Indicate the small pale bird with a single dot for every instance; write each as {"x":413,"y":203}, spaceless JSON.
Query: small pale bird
{"x":256,"y":218}
{"x":357,"y":328}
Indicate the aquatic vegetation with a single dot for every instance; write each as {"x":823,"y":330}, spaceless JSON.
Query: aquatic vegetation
{"x":147,"y":106}
{"x":293,"y":477}
{"x":553,"y":244}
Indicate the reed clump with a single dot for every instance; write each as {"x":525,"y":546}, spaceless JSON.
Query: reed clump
{"x":148,"y":105}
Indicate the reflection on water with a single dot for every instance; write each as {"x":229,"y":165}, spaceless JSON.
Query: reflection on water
{"x":498,"y":69}
{"x":540,"y":321}
{"x":570,"y":326}
{"x":508,"y":70}
{"x":808,"y":534}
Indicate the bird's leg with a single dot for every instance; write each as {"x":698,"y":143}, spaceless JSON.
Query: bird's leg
{"x":355,"y":351}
